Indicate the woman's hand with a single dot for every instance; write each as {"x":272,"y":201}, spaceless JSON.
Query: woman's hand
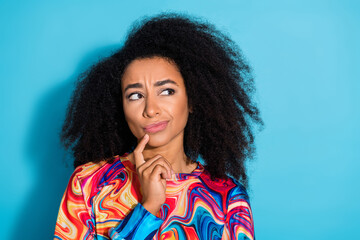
{"x":152,"y":175}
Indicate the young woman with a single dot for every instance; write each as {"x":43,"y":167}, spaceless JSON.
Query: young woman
{"x":138,"y":122}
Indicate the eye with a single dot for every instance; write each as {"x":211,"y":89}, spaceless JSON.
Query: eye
{"x":167,"y":91}
{"x":134,"y":96}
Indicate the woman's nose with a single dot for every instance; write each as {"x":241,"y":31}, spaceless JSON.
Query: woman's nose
{"x":151,"y":107}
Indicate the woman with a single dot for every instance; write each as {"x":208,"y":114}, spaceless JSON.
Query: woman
{"x":137,"y":123}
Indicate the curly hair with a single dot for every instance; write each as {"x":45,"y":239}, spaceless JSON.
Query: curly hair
{"x":219,"y":86}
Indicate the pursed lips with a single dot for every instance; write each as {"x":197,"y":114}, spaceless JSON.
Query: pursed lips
{"x":155,"y":127}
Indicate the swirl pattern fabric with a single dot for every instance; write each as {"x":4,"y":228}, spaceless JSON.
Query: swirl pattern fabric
{"x":101,"y":199}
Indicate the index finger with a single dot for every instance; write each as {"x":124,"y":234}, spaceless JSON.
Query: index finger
{"x":139,"y":158}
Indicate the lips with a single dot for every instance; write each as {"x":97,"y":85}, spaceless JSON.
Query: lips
{"x":156,"y":127}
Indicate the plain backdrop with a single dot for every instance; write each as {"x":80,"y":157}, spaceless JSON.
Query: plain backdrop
{"x":304,"y":181}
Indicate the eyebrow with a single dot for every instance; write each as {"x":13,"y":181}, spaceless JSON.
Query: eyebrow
{"x":157,"y":84}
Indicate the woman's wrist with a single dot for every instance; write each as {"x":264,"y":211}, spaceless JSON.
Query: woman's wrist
{"x":152,"y":208}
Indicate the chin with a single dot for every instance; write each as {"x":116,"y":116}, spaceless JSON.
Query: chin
{"x":157,"y":141}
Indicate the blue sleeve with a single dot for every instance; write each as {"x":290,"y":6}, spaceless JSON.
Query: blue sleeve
{"x":138,"y":224}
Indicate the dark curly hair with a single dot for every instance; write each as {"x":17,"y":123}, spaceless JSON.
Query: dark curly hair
{"x":219,"y":86}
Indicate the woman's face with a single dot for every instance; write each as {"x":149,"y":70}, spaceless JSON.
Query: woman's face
{"x":155,"y":100}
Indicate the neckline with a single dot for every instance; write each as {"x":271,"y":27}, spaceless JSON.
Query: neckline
{"x":176,"y":176}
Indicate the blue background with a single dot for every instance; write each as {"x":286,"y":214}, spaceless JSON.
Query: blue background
{"x":305,"y":56}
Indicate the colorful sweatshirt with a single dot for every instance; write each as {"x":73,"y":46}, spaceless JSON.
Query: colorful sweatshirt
{"x":103,"y":201}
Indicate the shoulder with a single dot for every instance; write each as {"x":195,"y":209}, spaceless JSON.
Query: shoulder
{"x":232,"y":192}
{"x":229,"y":186}
{"x":239,"y":219}
{"x":237,"y":201}
{"x":237,"y":191}
{"x":95,"y":175}
{"x":88,"y":169}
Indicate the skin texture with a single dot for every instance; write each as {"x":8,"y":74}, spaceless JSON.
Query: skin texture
{"x":154,"y":91}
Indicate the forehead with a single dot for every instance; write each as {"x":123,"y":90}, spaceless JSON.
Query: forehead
{"x":151,"y":70}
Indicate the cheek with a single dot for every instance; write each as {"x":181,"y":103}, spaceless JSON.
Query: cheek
{"x":131,"y":119}
{"x":182,"y":111}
